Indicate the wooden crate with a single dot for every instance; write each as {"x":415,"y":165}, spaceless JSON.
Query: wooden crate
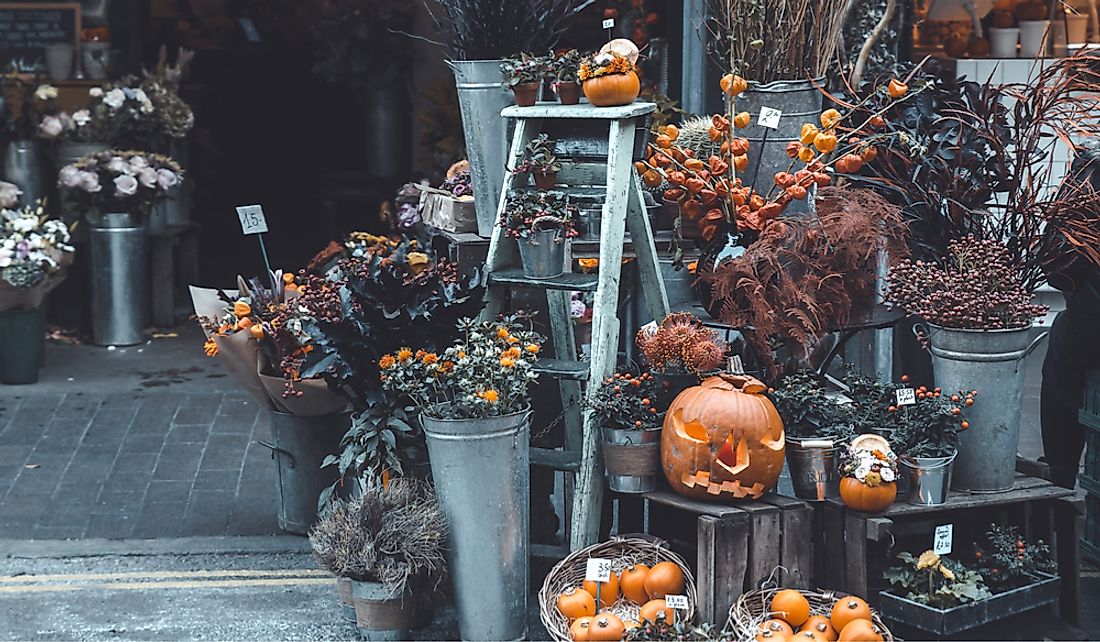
{"x":858,"y":546}
{"x":736,"y":547}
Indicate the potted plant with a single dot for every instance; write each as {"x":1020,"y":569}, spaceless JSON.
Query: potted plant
{"x":566,"y":67}
{"x":24,"y":160}
{"x":523,"y":75}
{"x":869,"y":475}
{"x":626,"y":408}
{"x":34,"y":252}
{"x":609,"y":79}
{"x":681,"y":351}
{"x":385,"y":547}
{"x":542,"y":223}
{"x":540,"y":162}
{"x":475,"y":410}
{"x":115,"y":191}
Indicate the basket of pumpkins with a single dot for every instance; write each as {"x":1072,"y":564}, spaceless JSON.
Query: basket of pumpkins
{"x":790,"y":615}
{"x":643,"y":572}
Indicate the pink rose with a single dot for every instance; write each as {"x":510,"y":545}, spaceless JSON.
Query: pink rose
{"x":125,"y":185}
{"x":69,"y":176}
{"x":89,"y":182}
{"x":9,"y":194}
{"x":51,"y":127}
{"x":148,"y":177}
{"x":167,"y":178}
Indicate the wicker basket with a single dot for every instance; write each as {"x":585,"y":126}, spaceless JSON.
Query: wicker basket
{"x":752,"y":608}
{"x":622,"y":552}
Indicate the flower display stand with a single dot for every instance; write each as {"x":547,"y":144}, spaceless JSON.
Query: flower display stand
{"x":857,"y":546}
{"x":587,"y":162}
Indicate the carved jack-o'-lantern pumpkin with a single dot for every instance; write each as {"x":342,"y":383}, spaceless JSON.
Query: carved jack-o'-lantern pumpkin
{"x":723,"y":439}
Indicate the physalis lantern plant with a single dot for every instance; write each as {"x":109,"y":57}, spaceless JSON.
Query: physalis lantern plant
{"x":699,"y":169}
{"x":486,"y":373}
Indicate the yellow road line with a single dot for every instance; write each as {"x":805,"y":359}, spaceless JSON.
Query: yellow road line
{"x":156,"y":575}
{"x":183,"y":584}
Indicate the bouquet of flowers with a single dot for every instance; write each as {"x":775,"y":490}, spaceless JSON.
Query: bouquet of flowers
{"x":39,"y":102}
{"x":120,"y":181}
{"x":34,"y":251}
{"x":871,"y":466}
{"x":134,"y":113}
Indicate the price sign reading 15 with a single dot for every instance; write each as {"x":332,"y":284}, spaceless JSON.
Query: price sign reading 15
{"x":252,"y":219}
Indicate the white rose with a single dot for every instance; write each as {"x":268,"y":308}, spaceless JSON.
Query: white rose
{"x":95,"y":92}
{"x":167,"y":178}
{"x":118,"y":165}
{"x":82,"y":117}
{"x":9,"y":194}
{"x":147,"y":106}
{"x":51,"y":127}
{"x":861,"y":472}
{"x":69,"y":176}
{"x":140,"y":95}
{"x":114,"y":98}
{"x":45,"y":92}
{"x":148,"y":177}
{"x":125,"y":185}
{"x":89,"y":182}
{"x":887,"y":474}
{"x":138,"y":163}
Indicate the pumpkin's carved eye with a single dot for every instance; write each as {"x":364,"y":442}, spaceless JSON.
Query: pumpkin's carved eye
{"x":693,"y":430}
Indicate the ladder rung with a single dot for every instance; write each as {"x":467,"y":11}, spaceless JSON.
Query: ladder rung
{"x":563,"y":368}
{"x":556,"y":459}
{"x":548,"y":551}
{"x":568,"y":281}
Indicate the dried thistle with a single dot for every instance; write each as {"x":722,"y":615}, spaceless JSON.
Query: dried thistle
{"x":681,"y":341}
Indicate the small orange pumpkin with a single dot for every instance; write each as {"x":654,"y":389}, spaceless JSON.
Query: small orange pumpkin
{"x":580,"y":630}
{"x":870,"y":499}
{"x":766,"y":635}
{"x":575,"y":603}
{"x":611,"y":90}
{"x":792,"y":606}
{"x":655,"y":610}
{"x":806,"y":636}
{"x":632,"y":583}
{"x":257,"y":331}
{"x":606,"y":627}
{"x":776,"y":626}
{"x":860,"y":631}
{"x":821,"y":625}
{"x":847,"y":609}
{"x":663,"y":579}
{"x":609,"y":590}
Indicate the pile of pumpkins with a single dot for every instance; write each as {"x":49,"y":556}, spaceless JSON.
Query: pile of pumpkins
{"x":792,"y":621}
{"x":639,"y":584}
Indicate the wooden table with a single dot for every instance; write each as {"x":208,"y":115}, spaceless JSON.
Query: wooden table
{"x":857,"y":545}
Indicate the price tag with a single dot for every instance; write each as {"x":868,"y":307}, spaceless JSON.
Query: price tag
{"x":252,"y":219}
{"x":678,"y":602}
{"x":597,"y":570}
{"x":941,"y":543}
{"x":769,"y":117}
{"x":609,"y":23}
{"x":906,"y":396}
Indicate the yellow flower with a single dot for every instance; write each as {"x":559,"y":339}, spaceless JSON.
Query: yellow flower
{"x":461,"y":354}
{"x":211,"y":348}
{"x":489,"y":395}
{"x":928,"y":559}
{"x":241,"y":309}
{"x":418,"y":262}
{"x":947,"y":573}
{"x":588,"y":264}
{"x":872,"y":479}
{"x":512,"y":340}
{"x":502,"y":333}
{"x":513,"y":352}
{"x":508,"y":362}
{"x":288,"y":278}
{"x":533,"y":348}
{"x":386,"y":362}
{"x":404,"y":354}
{"x":429,"y":358}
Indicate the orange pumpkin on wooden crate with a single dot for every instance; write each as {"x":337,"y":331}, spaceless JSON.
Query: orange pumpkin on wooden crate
{"x":722,"y":440}
{"x":869,"y":480}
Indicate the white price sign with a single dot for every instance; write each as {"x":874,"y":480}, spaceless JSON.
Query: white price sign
{"x":678,"y":602}
{"x":769,"y":117}
{"x":252,"y":219}
{"x":597,"y":570}
{"x":906,"y":396}
{"x":941,"y":543}
{"x":609,"y":23}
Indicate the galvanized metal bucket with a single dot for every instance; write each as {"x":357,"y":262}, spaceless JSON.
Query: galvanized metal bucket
{"x":481,"y":98}
{"x":989,"y":361}
{"x":25,"y":166}
{"x":929,"y":478}
{"x":679,"y":284}
{"x":814,"y":467}
{"x":22,"y":345}
{"x":301,"y":443}
{"x":379,"y":616}
{"x":543,"y":254}
{"x":482,"y":480}
{"x":118,"y":244}
{"x":632,"y":459}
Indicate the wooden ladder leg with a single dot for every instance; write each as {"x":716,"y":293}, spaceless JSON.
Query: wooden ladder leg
{"x":605,"y":331}
{"x":502,"y":250}
{"x":565,"y":347}
{"x":641,"y":236}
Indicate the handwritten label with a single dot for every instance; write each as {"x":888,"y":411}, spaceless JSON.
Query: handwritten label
{"x":941,"y":543}
{"x":252,"y":219}
{"x":906,"y":396}
{"x":678,"y":602}
{"x":609,"y":23}
{"x":769,"y":117}
{"x":597,"y":570}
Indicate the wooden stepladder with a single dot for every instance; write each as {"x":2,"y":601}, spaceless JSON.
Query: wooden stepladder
{"x":623,"y":210}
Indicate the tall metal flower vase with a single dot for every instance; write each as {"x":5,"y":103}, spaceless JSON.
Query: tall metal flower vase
{"x":481,"y":98}
{"x":991,"y":362}
{"x":25,"y":166}
{"x":482,"y":479}
{"x":118,"y":243}
{"x":22,"y":341}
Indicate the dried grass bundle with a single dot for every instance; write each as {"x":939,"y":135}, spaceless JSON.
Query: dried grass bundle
{"x":807,"y":276}
{"x":393,"y":534}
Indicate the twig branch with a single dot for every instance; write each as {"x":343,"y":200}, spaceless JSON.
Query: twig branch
{"x":869,"y":44}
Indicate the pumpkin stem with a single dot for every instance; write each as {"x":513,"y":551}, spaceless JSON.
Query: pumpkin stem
{"x":744,"y":383}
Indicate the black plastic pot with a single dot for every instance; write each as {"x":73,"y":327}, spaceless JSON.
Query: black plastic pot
{"x":22,"y":345}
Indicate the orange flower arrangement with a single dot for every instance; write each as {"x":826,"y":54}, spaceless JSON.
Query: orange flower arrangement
{"x":604,"y":65}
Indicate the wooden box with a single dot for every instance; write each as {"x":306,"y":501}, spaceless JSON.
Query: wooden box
{"x":447,"y":213}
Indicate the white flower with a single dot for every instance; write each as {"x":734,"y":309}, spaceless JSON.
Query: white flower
{"x":147,"y":106}
{"x":148,"y":177}
{"x":140,"y":96}
{"x":9,"y":194}
{"x":167,"y":178}
{"x":95,"y":92}
{"x":51,"y":127}
{"x":861,"y":472}
{"x":114,"y":98}
{"x":69,"y":176}
{"x":887,"y":474}
{"x":82,"y":117}
{"x":45,"y":92}
{"x":89,"y":182}
{"x":603,"y":59}
{"x":138,"y":163}
{"x":125,"y":185}
{"x":118,"y":165}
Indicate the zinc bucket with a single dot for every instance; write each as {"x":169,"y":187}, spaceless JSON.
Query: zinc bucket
{"x":929,"y":478}
{"x":301,"y":443}
{"x":119,"y":288}
{"x":543,"y":254}
{"x":632,"y":459}
{"x":814,"y":468}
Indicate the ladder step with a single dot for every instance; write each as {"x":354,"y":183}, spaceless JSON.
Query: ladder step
{"x":548,"y":551}
{"x":563,"y":368}
{"x":569,"y":281}
{"x":556,"y":459}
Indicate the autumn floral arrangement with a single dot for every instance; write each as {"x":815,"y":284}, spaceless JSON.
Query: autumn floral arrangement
{"x":871,"y":466}
{"x":486,"y":373}
{"x":604,"y":64}
{"x":120,"y":181}
{"x":681,"y":343}
{"x":527,"y":212}
{"x":628,"y":401}
{"x":34,"y":252}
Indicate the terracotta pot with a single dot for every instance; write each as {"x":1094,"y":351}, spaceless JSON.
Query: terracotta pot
{"x":545,"y":180}
{"x":526,"y":93}
{"x":569,"y":93}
